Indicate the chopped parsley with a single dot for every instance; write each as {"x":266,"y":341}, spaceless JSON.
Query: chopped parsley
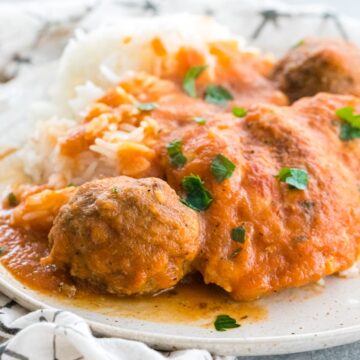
{"x":307,"y":204}
{"x":200,"y":120}
{"x":294,"y":177}
{"x":12,"y":200}
{"x":3,"y":249}
{"x":177,"y":158}
{"x":239,"y":111}
{"x":225,"y":322}
{"x":189,"y":80}
{"x":350,"y":128}
{"x":146,"y":106}
{"x":197,"y":196}
{"x":115,"y":190}
{"x":222,"y":168}
{"x":217,"y":95}
{"x":70,"y":184}
{"x":235,"y":253}
{"x":238,"y":234}
{"x":348,"y":132}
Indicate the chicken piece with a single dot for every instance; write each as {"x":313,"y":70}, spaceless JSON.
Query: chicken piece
{"x":291,"y":237}
{"x":319,"y":65}
{"x":128,"y":236}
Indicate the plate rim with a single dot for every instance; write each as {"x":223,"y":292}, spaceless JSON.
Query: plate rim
{"x":219,"y":346}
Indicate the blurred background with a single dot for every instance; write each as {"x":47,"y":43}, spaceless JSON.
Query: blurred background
{"x":33,"y":32}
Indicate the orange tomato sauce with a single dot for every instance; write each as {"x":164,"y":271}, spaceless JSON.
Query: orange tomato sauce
{"x":189,"y":302}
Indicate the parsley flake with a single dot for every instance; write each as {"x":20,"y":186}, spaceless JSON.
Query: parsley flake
{"x":189,"y":80}
{"x":235,"y":253}
{"x":197,"y":196}
{"x":115,"y":190}
{"x":239,"y":111}
{"x":294,"y":177}
{"x":225,"y":322}
{"x":200,"y":120}
{"x":3,"y":249}
{"x":350,"y":128}
{"x":177,"y":158}
{"x":348,"y":132}
{"x":217,"y":95}
{"x":222,"y":168}
{"x":146,"y":106}
{"x":12,"y":200}
{"x":238,"y":234}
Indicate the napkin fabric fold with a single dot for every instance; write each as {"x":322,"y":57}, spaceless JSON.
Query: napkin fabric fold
{"x":62,"y":335}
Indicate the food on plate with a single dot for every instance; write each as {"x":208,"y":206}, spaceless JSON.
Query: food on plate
{"x":126,"y":235}
{"x":293,"y":232}
{"x":36,"y":208}
{"x":319,"y":65}
{"x":192,"y":162}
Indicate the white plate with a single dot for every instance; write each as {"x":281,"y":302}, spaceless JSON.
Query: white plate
{"x":298,"y":320}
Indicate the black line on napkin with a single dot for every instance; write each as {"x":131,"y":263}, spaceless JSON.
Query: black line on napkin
{"x":54,"y":347}
{"x":57,"y":313}
{"x":15,"y":355}
{"x":9,"y":304}
{"x":8,"y":330}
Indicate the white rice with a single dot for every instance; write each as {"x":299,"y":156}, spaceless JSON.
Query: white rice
{"x":91,"y":64}
{"x":85,"y":95}
{"x":104,"y":59}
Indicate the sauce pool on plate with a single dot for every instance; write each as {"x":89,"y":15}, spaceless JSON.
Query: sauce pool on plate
{"x":190,"y":302}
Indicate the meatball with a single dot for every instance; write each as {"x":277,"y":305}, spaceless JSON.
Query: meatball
{"x":129,"y":236}
{"x":319,"y":65}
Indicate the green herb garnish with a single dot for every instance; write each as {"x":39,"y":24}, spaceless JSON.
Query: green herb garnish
{"x":235,"y":253}
{"x":115,"y":190}
{"x":177,"y":158}
{"x":197,"y":196}
{"x":200,"y":120}
{"x":3,"y":249}
{"x":350,"y":128}
{"x":307,"y":204}
{"x":189,"y":80}
{"x":12,"y":200}
{"x":239,"y":111}
{"x":295,"y":178}
{"x":347,"y":114}
{"x":348,"y":132}
{"x":225,"y":322}
{"x":217,"y":95}
{"x":222,"y":168}
{"x":70,"y":184}
{"x":146,"y":106}
{"x":238,"y":234}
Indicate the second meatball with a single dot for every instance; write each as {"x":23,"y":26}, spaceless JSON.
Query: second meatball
{"x":130,"y":236}
{"x":319,"y":65}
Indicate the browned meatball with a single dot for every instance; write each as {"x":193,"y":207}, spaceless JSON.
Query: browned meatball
{"x":319,"y":65}
{"x":130,"y":236}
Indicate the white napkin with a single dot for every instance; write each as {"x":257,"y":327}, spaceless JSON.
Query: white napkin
{"x":62,"y":335}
